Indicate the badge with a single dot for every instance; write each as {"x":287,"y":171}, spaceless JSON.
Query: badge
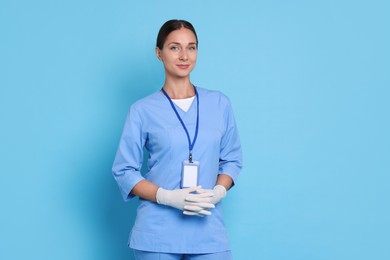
{"x":189,"y":174}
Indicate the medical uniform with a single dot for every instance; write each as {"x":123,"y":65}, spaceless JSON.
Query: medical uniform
{"x":152,"y":124}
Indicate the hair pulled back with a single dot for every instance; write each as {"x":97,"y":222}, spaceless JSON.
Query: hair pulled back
{"x":171,"y":26}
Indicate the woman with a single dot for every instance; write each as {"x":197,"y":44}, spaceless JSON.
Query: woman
{"x":191,"y":137}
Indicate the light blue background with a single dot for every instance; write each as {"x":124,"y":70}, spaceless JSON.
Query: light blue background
{"x":309,"y":82}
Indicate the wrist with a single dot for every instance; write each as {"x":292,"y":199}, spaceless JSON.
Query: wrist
{"x":161,"y":196}
{"x":219,"y":193}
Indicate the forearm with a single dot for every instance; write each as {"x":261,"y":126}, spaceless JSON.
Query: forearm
{"x":186,"y":200}
{"x":225,"y":180}
{"x":146,"y":190}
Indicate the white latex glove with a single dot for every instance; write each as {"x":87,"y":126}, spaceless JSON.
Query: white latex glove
{"x":183,"y":199}
{"x":219,"y":192}
{"x":198,"y":203}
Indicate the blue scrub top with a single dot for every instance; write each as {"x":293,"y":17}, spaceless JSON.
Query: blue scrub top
{"x":152,"y":124}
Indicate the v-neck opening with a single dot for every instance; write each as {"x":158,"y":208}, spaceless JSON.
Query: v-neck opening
{"x":183,"y":113}
{"x":189,"y":108}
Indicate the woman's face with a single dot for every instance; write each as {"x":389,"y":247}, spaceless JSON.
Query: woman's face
{"x":179,"y":53}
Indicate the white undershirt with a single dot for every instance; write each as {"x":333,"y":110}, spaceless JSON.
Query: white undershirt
{"x":184,"y":103}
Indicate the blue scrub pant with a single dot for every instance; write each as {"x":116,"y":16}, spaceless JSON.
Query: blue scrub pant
{"x":144,"y":255}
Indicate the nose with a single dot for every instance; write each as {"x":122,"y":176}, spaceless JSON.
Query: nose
{"x":183,"y":55}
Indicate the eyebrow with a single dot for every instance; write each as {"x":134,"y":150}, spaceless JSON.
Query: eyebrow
{"x":178,"y":43}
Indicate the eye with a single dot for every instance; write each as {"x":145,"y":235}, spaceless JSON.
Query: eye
{"x":192,"y":48}
{"x":174,"y":48}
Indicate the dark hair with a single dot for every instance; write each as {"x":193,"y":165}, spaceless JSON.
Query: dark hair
{"x":170,"y":26}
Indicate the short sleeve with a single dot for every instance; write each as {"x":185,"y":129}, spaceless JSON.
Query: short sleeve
{"x":127,"y":165}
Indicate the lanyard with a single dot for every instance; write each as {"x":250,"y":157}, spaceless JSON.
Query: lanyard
{"x":191,"y":145}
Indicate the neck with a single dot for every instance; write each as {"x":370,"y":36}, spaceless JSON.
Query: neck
{"x":179,"y":89}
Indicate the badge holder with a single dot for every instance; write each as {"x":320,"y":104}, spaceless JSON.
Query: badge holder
{"x":189,"y":174}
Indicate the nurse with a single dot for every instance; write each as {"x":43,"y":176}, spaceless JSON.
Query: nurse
{"x":194,"y":158}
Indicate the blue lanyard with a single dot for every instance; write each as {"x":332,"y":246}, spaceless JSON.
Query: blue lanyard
{"x":191,"y":145}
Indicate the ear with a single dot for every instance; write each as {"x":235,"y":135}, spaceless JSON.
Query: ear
{"x":158,"y":53}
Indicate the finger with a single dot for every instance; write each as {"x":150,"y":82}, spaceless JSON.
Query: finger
{"x":194,"y":208}
{"x":197,"y":212}
{"x":200,"y":195}
{"x":203,"y":205}
{"x":205,"y":212}
{"x":191,"y":213}
{"x":204,"y":194}
{"x":197,"y":199}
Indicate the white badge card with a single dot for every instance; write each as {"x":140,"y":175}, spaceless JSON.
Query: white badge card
{"x":189,"y":175}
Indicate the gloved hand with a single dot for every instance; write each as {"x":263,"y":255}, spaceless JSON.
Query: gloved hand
{"x":198,"y":203}
{"x":183,"y":199}
{"x":219,"y":192}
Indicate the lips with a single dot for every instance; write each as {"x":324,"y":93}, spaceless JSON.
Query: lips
{"x":183,"y":66}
